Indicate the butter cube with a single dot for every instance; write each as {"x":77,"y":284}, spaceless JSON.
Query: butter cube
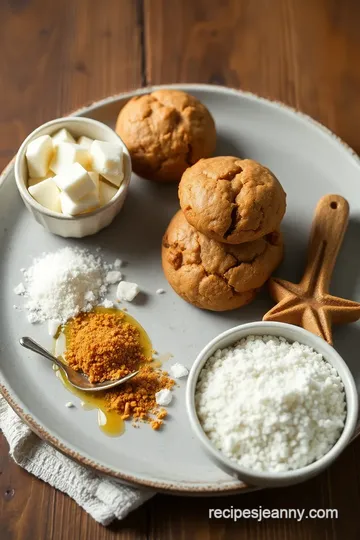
{"x":47,"y":194}
{"x":106,"y":192}
{"x":107,"y":160}
{"x":75,"y":181}
{"x":62,"y":136}
{"x":34,"y":181}
{"x":38,"y":155}
{"x":114,"y":179}
{"x":67,"y":154}
{"x":95,"y":178}
{"x":73,"y":208}
{"x":85,"y":142}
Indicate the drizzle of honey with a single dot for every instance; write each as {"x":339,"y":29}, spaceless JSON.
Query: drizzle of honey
{"x":109,"y":422}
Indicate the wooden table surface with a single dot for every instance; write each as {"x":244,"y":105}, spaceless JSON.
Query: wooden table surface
{"x":56,"y":56}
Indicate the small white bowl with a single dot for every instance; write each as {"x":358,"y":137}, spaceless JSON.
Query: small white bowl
{"x":83,"y":224}
{"x":291,"y":333}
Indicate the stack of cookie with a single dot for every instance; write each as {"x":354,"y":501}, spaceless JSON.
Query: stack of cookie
{"x":225,"y":242}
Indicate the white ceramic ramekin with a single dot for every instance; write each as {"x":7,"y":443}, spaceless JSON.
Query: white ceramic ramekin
{"x":291,"y":333}
{"x":83,"y":224}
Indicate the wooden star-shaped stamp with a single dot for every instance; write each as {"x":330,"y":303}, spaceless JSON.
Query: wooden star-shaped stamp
{"x":308,"y":303}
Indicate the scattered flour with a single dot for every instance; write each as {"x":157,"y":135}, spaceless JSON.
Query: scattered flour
{"x":107,"y":303}
{"x":89,"y":296}
{"x":270,"y":405}
{"x":60,"y":285}
{"x":114,"y":276}
{"x":19,"y":289}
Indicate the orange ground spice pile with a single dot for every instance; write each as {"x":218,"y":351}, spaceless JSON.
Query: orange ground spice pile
{"x":106,"y":347}
{"x":136,"y":399}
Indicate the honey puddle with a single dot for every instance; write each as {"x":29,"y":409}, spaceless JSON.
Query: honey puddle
{"x":110,"y":423}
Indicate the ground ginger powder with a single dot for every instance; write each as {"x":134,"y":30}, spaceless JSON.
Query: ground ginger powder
{"x":106,"y":347}
{"x":136,"y":398}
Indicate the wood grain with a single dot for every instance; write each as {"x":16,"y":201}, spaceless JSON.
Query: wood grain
{"x":186,"y":518}
{"x":56,"y":56}
{"x":303,"y":53}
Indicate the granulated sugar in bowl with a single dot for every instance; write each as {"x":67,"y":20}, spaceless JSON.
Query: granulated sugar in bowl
{"x":269,"y":404}
{"x":272,"y":404}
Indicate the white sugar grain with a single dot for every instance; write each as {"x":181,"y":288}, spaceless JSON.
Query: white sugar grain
{"x":19,"y":289}
{"x":178,"y":371}
{"x":127,"y":291}
{"x":61,"y":284}
{"x":89,"y":296}
{"x":107,"y":303}
{"x":270,"y":405}
{"x":69,"y":405}
{"x":163,"y":397}
{"x":114,"y":276}
{"x":160,"y":291}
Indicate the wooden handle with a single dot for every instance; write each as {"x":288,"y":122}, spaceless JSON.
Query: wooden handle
{"x":327,"y":233}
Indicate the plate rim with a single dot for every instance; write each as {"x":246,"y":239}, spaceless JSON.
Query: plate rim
{"x":225,"y":488}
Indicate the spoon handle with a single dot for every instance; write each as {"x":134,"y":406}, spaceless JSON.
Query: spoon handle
{"x":327,"y":233}
{"x":30,"y":344}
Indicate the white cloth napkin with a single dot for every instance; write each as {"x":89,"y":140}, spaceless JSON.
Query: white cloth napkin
{"x":104,"y":499}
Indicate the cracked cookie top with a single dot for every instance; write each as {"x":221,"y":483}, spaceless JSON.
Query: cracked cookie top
{"x":232,"y":200}
{"x":213,"y":275}
{"x":166,"y":132}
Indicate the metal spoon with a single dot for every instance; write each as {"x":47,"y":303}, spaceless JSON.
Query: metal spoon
{"x":77,"y":379}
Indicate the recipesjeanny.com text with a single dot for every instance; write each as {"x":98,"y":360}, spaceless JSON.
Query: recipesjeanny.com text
{"x":260,"y":514}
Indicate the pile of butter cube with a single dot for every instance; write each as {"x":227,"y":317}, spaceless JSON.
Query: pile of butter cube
{"x":73,"y":177}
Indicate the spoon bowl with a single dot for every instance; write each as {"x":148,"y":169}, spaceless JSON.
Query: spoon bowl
{"x":77,"y":379}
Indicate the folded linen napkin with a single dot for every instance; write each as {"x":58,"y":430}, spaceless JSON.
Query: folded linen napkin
{"x":103,"y":498}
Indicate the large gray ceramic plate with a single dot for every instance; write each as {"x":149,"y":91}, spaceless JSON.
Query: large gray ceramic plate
{"x":308,"y":160}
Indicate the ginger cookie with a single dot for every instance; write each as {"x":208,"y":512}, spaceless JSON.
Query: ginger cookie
{"x":213,"y":275}
{"x":232,"y":200}
{"x":166,"y":132}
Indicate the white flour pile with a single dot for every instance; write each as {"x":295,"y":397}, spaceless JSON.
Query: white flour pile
{"x":60,"y":285}
{"x":270,"y":405}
